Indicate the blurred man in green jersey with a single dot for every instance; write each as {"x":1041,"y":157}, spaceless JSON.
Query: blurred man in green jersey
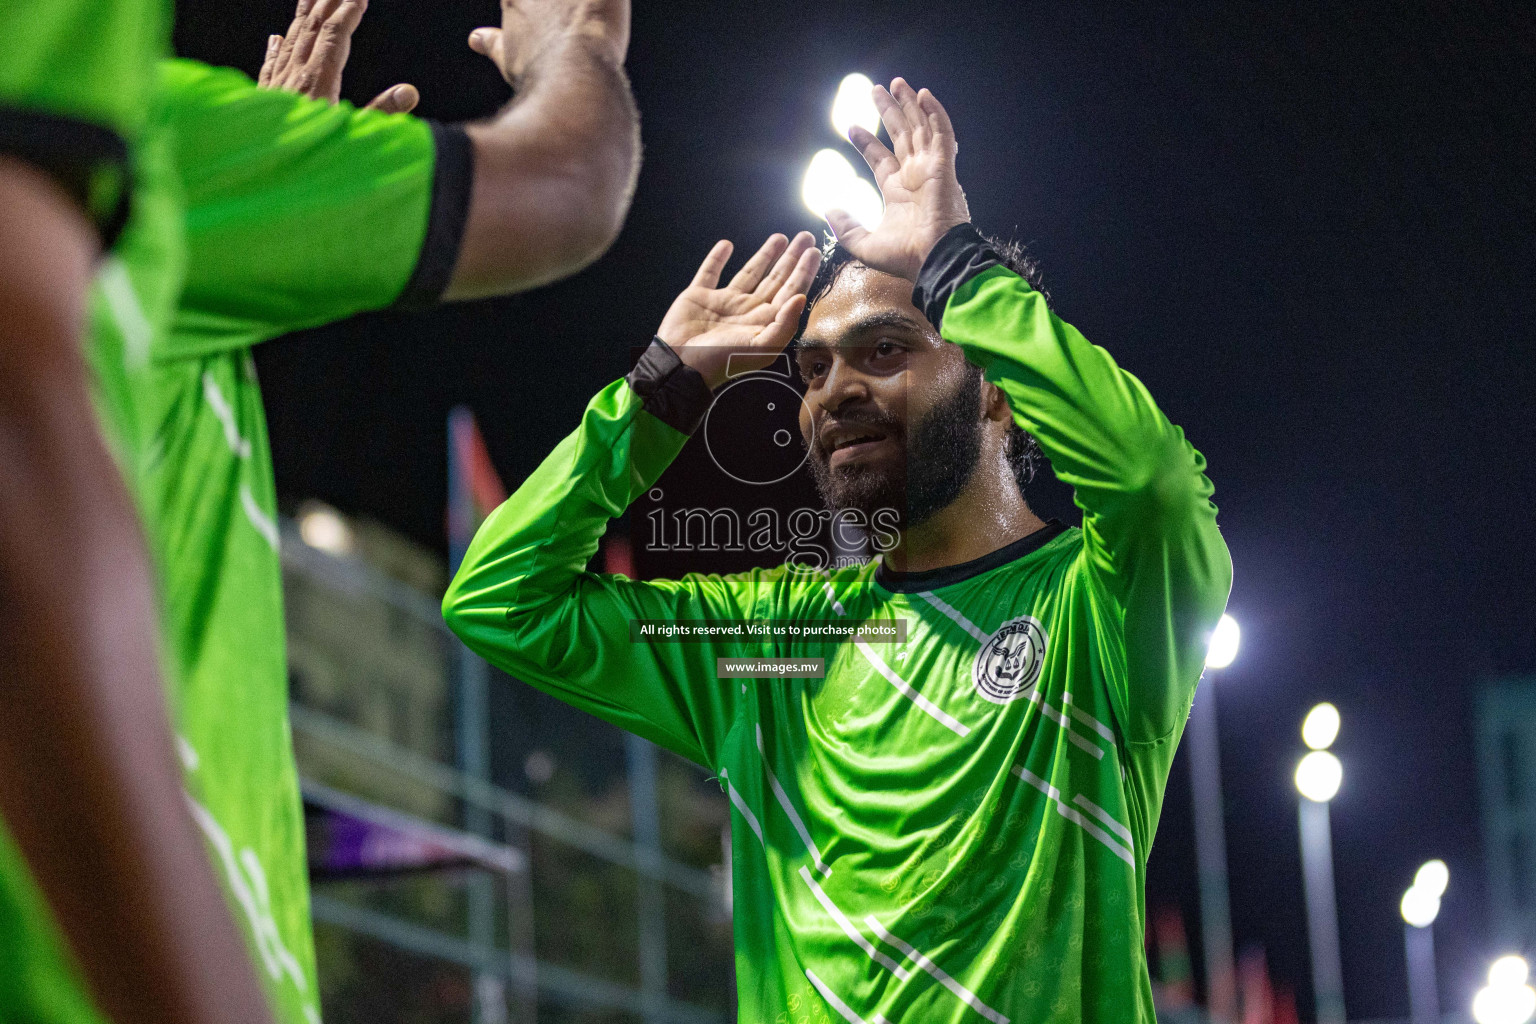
{"x":953,"y":827}
{"x":256,"y":212}
{"x":90,"y":793}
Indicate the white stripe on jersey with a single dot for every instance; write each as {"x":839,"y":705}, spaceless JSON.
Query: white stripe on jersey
{"x":1074,"y":816}
{"x":226,"y":414}
{"x":964,"y":994}
{"x":746,"y":812}
{"x":903,"y":687}
{"x":851,"y":930}
{"x":789,"y":809}
{"x":123,"y":301}
{"x":265,"y":524}
{"x":837,"y":1004}
{"x":954,"y":613}
{"x":1066,"y":726}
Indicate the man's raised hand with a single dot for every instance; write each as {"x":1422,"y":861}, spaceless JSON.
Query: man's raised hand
{"x":916,"y":175}
{"x":309,"y":60}
{"x":752,"y":318}
{"x":532,"y":28}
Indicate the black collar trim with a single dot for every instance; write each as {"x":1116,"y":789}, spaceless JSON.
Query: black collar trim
{"x":949,"y":575}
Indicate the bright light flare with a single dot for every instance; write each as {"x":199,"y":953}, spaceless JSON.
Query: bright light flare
{"x":324,"y":529}
{"x":1321,"y":727}
{"x":1508,"y":972}
{"x":1420,"y":907}
{"x":853,"y":105}
{"x":1222,"y":650}
{"x":1504,"y":1005}
{"x":832,"y":183}
{"x":1319,"y":776}
{"x":1433,"y":877}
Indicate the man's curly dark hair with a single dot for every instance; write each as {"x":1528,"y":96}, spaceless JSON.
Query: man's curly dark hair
{"x":1023,"y":450}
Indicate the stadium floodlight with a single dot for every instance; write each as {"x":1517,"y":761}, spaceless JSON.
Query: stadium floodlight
{"x":1222,"y":650}
{"x":1319,"y":776}
{"x":853,"y":105}
{"x":1507,"y":999}
{"x":1433,"y":877}
{"x":322,"y":528}
{"x":1509,"y":972}
{"x":1420,"y":907}
{"x":1321,"y":726}
{"x":832,"y":183}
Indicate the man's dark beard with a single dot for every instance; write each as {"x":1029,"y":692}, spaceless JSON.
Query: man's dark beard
{"x":941,"y":458}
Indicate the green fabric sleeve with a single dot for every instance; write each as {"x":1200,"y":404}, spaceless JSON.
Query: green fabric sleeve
{"x":1155,"y":558}
{"x":75,"y":88}
{"x":524,"y":601}
{"x":298,"y":212}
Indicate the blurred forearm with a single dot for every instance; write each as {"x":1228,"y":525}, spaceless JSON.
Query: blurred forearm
{"x":554,"y":173}
{"x":89,"y":787}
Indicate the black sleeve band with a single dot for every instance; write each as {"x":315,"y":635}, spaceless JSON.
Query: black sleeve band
{"x":452,"y":179}
{"x":957,"y":257}
{"x":674,"y":392}
{"x":89,"y":160}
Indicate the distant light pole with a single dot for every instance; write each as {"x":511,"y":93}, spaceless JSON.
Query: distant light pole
{"x":1318,"y":778}
{"x":1420,"y":907}
{"x":1210,"y":830}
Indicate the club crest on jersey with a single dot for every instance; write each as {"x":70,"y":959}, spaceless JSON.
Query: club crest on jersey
{"x":1008,"y":664}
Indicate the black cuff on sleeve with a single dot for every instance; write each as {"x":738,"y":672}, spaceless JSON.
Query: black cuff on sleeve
{"x":957,"y":257}
{"x":89,"y":160}
{"x":673,"y":391}
{"x":452,"y":178}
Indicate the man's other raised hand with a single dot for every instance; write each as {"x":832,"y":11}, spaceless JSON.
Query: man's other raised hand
{"x":916,"y":175}
{"x":752,"y":317}
{"x":310,"y":58}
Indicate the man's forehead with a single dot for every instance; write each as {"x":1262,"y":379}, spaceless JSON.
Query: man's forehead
{"x":861,"y":299}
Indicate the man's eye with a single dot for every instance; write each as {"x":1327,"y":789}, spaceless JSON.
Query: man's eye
{"x":886,"y":348}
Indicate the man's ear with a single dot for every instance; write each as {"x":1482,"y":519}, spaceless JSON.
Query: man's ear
{"x":995,"y":404}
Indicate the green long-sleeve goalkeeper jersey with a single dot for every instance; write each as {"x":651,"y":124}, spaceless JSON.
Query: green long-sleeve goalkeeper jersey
{"x":952,"y":828}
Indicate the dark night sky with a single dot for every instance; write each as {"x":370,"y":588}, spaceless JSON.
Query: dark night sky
{"x":1310,"y":233}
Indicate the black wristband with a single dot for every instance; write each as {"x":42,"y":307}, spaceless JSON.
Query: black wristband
{"x":453,"y":177}
{"x":673,"y":391}
{"x":957,"y":257}
{"x":89,"y":160}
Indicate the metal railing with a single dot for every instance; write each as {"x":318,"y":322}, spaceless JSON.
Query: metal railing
{"x":497,"y":964}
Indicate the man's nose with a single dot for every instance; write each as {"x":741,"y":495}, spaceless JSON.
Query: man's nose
{"x":844,"y":384}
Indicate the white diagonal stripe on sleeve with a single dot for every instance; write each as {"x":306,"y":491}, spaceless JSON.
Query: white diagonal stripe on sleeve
{"x":123,"y":301}
{"x":1087,"y":719}
{"x":746,"y":812}
{"x":226,"y":414}
{"x":954,"y":613}
{"x":1066,"y":726}
{"x":851,"y":930}
{"x":843,"y":1009}
{"x":964,"y":994}
{"x":1104,"y":816}
{"x":1073,"y":815}
{"x":789,"y":809}
{"x":265,"y":524}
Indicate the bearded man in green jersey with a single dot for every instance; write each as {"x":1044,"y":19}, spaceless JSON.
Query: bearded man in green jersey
{"x":955,"y":828}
